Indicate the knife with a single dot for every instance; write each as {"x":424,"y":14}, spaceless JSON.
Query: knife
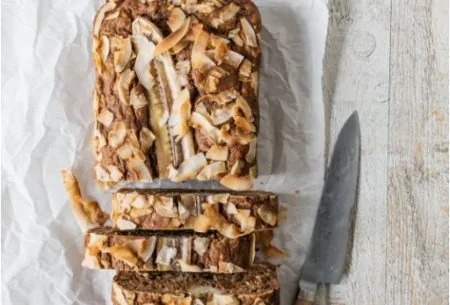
{"x":326,"y":258}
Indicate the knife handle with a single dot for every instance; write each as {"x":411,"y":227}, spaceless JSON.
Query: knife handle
{"x":303,"y":302}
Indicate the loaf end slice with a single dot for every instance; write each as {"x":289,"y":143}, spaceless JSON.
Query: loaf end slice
{"x":176,"y":92}
{"x":232,"y":214}
{"x":183,"y":251}
{"x":259,"y":285}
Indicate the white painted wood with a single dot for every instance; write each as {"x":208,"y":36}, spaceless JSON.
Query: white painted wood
{"x":417,"y":224}
{"x":389,"y":61}
{"x":359,"y":44}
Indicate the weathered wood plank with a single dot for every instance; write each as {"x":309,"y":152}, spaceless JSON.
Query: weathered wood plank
{"x":417,"y":224}
{"x":357,"y":58}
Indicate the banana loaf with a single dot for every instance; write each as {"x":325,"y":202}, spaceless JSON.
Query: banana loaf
{"x":176,"y":91}
{"x":167,"y":250}
{"x":232,"y":214}
{"x":258,"y":286}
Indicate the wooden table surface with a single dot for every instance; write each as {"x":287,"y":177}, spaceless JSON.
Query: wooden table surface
{"x":388,"y":59}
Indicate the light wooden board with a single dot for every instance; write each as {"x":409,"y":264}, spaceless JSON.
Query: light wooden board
{"x":417,"y":225}
{"x":389,"y":60}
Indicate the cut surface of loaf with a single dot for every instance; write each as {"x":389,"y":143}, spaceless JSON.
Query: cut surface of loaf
{"x":259,"y":285}
{"x":232,"y":214}
{"x":183,"y":251}
{"x":176,"y":91}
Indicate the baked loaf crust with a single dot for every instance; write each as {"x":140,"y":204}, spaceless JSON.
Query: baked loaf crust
{"x":258,"y":286}
{"x":167,"y":251}
{"x":176,"y":91}
{"x":232,"y":214}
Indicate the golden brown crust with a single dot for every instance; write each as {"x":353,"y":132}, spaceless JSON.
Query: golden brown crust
{"x":167,"y":251}
{"x":231,"y":215}
{"x":174,"y":78}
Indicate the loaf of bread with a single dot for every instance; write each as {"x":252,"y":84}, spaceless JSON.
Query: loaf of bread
{"x":232,"y":214}
{"x":258,"y":286}
{"x":166,"y":251}
{"x":176,"y":91}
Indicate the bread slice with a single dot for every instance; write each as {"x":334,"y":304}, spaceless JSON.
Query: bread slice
{"x":259,"y":285}
{"x":232,"y":214}
{"x":176,"y":91}
{"x":167,"y":250}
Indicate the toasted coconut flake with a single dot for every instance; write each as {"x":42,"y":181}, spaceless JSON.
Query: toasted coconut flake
{"x":185,"y":267}
{"x":179,"y":47}
{"x":122,"y":253}
{"x":245,"y":70}
{"x":146,"y":138}
{"x":176,"y":19}
{"x":118,"y":295}
{"x":114,"y":173}
{"x":242,"y":105}
{"x":254,"y":82}
{"x":251,"y":154}
{"x":117,"y":134}
{"x":144,"y":27}
{"x":201,"y":245}
{"x":228,"y":13}
{"x":122,"y":52}
{"x":212,"y":171}
{"x":199,"y":121}
{"x":113,"y":16}
{"x":240,"y":138}
{"x":218,"y":153}
{"x":237,"y":183}
{"x":237,"y":167}
{"x":189,"y":168}
{"x":225,"y":267}
{"x":198,"y":57}
{"x":201,"y":224}
{"x":101,"y":174}
{"x":220,"y":299}
{"x":105,"y":117}
{"x":273,"y":251}
{"x":205,"y":8}
{"x":140,"y":202}
{"x":244,"y":124}
{"x":165,"y":207}
{"x":99,"y":140}
{"x":220,"y":52}
{"x":215,"y":40}
{"x":105,"y":8}
{"x":138,"y":99}
{"x":165,"y":255}
{"x":233,"y":59}
{"x":98,"y":63}
{"x":145,"y":49}
{"x":147,"y":248}
{"x":87,"y":213}
{"x":124,"y":224}
{"x":231,"y":209}
{"x":249,"y":33}
{"x":123,"y":86}
{"x":234,"y":35}
{"x":182,"y":211}
{"x":170,"y":41}
{"x":140,"y":169}
{"x":246,"y":222}
{"x":268,"y":215}
{"x":181,"y":111}
{"x":125,"y":152}
{"x":221,"y":98}
{"x":221,"y":115}
{"x":222,"y":198}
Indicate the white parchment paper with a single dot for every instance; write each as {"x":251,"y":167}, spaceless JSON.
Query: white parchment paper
{"x":47,"y":80}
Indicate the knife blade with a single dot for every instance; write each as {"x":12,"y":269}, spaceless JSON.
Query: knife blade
{"x":326,"y":257}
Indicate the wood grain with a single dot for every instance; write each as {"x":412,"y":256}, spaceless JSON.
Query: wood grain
{"x":361,"y":29}
{"x":389,"y":60}
{"x":417,"y":224}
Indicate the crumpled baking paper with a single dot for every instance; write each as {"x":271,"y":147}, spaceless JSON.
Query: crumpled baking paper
{"x":47,"y":82}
